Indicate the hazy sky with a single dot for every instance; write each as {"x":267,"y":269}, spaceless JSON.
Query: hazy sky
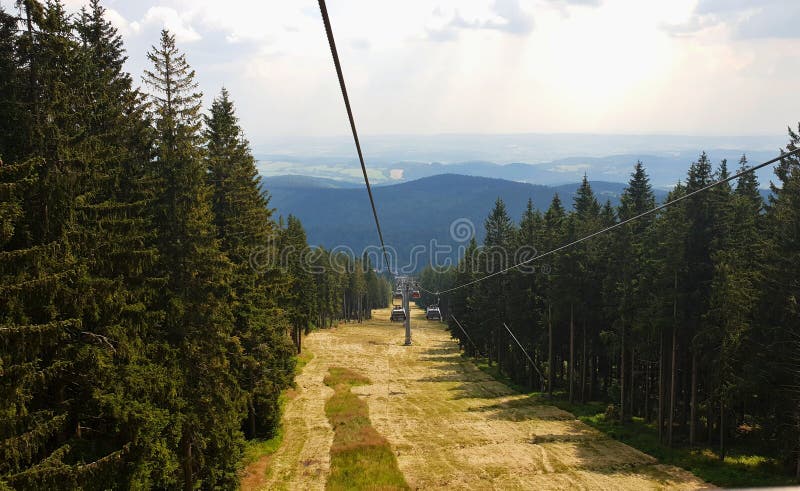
{"x":487,"y":66}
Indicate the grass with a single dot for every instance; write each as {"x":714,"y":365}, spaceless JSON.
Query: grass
{"x":258,"y":449}
{"x":360,"y":457}
{"x":741,"y":467}
{"x":301,"y":360}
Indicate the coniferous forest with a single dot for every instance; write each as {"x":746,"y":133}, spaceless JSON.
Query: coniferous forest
{"x":145,"y":333}
{"x":687,"y":318}
{"x":153,"y":304}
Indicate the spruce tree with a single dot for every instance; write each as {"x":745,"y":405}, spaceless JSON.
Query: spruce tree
{"x":780,"y":316}
{"x":625,"y":283}
{"x":245,"y":227}
{"x":202,"y":393}
{"x":300,"y":298}
{"x":68,"y":199}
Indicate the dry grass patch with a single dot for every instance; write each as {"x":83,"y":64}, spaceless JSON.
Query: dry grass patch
{"x":360,"y":457}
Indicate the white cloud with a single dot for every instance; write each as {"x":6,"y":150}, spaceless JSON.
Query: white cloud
{"x":601,"y":66}
{"x":124,"y":27}
{"x":177,"y":23}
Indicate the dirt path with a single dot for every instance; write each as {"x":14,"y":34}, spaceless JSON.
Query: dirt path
{"x":451,"y":425}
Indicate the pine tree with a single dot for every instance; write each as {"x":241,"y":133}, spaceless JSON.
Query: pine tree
{"x":300,"y":298}
{"x":628,"y":271}
{"x":492,"y":259}
{"x":700,"y":215}
{"x":583,"y":260}
{"x":70,"y":198}
{"x":780,"y":315}
{"x":196,"y":332}
{"x":554,"y":236}
{"x":11,"y":80}
{"x":244,"y":226}
{"x":525,"y":297}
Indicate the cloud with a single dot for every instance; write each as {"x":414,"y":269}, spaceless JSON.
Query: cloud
{"x":506,"y":16}
{"x":121,"y":24}
{"x":586,"y":3}
{"x":170,"y":19}
{"x":360,"y":43}
{"x":746,"y":19}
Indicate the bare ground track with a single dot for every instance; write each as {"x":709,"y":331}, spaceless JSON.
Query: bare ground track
{"x":450,"y":425}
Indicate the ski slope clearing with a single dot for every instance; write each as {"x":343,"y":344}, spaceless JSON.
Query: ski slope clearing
{"x":449,"y":424}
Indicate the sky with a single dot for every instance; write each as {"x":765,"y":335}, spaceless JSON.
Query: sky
{"x":423,"y":67}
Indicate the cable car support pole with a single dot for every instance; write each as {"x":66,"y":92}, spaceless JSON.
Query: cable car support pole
{"x":406,"y":306}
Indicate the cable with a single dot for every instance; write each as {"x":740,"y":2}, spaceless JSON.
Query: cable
{"x":624,"y":222}
{"x":426,"y":291}
{"x":467,"y":335}
{"x":329,"y":31}
{"x":541,"y":377}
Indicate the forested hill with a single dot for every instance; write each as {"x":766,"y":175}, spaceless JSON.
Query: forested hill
{"x":412,"y":213}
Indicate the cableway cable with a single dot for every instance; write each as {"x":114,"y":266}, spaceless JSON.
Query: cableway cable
{"x":541,"y":377}
{"x":329,"y":31}
{"x":624,"y":222}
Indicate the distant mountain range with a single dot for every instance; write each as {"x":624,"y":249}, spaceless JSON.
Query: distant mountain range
{"x":664,"y":170}
{"x":412,"y":213}
{"x":548,"y":159}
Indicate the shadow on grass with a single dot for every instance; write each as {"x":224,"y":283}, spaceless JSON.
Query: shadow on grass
{"x":742,"y":467}
{"x":361,"y":458}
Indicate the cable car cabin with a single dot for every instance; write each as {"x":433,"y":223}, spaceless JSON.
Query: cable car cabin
{"x":398,"y":314}
{"x":397,"y":299}
{"x":433,"y":314}
{"x":415,"y":294}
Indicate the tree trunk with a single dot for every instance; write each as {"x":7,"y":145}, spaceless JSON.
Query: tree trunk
{"x":647,"y":393}
{"x":722,"y":429}
{"x":251,"y":417}
{"x":622,"y":372}
{"x":693,"y":408}
{"x":661,"y":386}
{"x":674,"y":377}
{"x":583,"y":366}
{"x":549,"y":350}
{"x":571,"y":353}
{"x":188,"y":479}
{"x":797,"y":426}
{"x":710,"y":426}
{"x":797,"y":472}
{"x":632,"y":390}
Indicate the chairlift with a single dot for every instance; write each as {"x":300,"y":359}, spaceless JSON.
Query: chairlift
{"x":398,"y":314}
{"x":433,"y":313}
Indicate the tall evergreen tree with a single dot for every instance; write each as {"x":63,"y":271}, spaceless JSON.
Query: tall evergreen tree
{"x":300,"y":298}
{"x":244,"y":227}
{"x":780,"y":312}
{"x":197,"y":327}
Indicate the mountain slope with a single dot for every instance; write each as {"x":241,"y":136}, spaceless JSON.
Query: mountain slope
{"x":414,"y":213}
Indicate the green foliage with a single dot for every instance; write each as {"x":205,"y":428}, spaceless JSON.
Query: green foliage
{"x":140,"y":345}
{"x":686,"y":320}
{"x":739,"y":468}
